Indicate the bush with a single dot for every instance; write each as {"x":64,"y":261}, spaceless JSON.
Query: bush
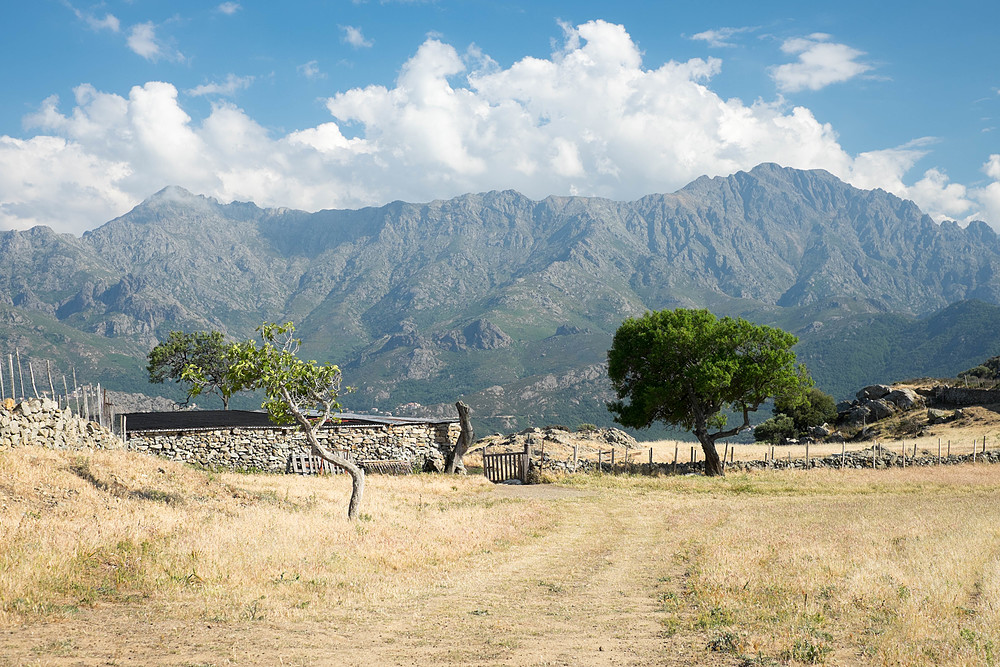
{"x":586,"y":427}
{"x":809,"y":408}
{"x":775,"y":429}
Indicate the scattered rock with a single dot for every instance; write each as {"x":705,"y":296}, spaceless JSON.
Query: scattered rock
{"x":904,"y":399}
{"x":935,"y":416}
{"x":873,"y":392}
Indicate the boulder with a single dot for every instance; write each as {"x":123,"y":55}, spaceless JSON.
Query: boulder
{"x":904,"y":399}
{"x":874,"y":391}
{"x":858,"y":414}
{"x":845,"y":407}
{"x":938,"y":416}
{"x":880,"y":409}
{"x":820,"y":431}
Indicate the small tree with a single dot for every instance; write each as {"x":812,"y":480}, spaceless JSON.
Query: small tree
{"x":205,"y":350}
{"x":777,"y":428}
{"x":682,"y":367}
{"x":808,"y":407}
{"x":293,"y":388}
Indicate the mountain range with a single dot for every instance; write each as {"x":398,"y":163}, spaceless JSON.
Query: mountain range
{"x":508,"y":302}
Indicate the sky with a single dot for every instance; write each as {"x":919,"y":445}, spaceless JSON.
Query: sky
{"x":342,"y":104}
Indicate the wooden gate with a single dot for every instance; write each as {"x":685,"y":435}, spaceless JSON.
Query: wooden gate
{"x":502,"y":466}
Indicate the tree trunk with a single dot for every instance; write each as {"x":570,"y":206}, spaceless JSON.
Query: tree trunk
{"x":356,"y":473}
{"x":464,"y":440}
{"x":714,"y":466}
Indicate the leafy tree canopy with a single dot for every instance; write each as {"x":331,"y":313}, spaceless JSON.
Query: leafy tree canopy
{"x":205,"y":350}
{"x":809,"y":407}
{"x":682,"y":367}
{"x":297,"y":391}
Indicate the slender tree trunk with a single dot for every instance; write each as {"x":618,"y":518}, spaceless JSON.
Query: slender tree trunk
{"x":465,"y":440}
{"x":714,"y":466}
{"x":356,"y":473}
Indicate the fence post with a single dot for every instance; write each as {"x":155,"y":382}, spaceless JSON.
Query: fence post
{"x":676,"y":449}
{"x":843,"y":455}
{"x":576,"y":452}
{"x":526,"y":461}
{"x":20,"y":372}
{"x":939,"y":451}
{"x":13,"y":387}
{"x":31,"y":374}
{"x":3,"y":390}
{"x":48,"y":370}
{"x":650,"y":457}
{"x":807,"y":454}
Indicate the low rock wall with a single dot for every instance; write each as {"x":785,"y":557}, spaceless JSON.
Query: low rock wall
{"x":40,"y":422}
{"x":883,"y":458}
{"x":423,"y":445}
{"x":945,"y":395}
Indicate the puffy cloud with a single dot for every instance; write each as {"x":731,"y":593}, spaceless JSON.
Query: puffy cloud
{"x":229,"y":8}
{"x":721,"y":37}
{"x":820,"y":63}
{"x":992,"y":167}
{"x":590,"y":119}
{"x":142,"y":41}
{"x":229,"y":87}
{"x":354,"y":37}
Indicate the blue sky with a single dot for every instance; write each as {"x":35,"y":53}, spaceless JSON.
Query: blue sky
{"x":344,"y":104}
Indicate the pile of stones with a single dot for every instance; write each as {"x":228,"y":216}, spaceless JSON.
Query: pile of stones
{"x":41,"y":422}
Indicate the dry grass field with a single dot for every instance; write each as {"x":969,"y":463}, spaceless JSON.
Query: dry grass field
{"x":958,"y":438}
{"x":115,"y":558}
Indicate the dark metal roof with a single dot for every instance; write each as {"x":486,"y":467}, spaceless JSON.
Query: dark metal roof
{"x":203,"y":420}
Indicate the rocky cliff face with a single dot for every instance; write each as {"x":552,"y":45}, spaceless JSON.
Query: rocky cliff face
{"x":424,"y":302}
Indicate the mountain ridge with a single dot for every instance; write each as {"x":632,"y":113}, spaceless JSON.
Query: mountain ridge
{"x":391,"y":292}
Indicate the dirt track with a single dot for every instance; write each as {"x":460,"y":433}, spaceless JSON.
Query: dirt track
{"x":588,"y":594}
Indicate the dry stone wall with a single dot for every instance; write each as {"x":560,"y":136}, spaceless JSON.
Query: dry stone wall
{"x":422,"y":445}
{"x":39,"y":421}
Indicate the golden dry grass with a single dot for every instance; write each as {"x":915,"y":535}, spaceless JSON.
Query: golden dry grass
{"x":118,"y":558}
{"x":81,"y":530}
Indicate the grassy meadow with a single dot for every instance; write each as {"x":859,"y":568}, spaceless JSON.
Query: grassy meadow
{"x":120,"y":558}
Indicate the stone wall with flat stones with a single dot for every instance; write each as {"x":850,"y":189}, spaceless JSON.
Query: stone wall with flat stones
{"x":40,"y":422}
{"x":268,"y":449}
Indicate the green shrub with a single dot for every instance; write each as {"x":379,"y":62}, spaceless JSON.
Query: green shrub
{"x":586,"y":427}
{"x":775,"y":429}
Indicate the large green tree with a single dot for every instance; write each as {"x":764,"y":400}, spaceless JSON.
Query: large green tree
{"x":683,"y":367}
{"x":297,"y":391}
{"x":205,"y":350}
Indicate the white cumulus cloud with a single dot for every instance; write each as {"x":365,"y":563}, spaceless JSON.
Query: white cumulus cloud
{"x":354,"y":37}
{"x":820,"y":63}
{"x":142,"y":40}
{"x":229,"y":8}
{"x":590,"y":119}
